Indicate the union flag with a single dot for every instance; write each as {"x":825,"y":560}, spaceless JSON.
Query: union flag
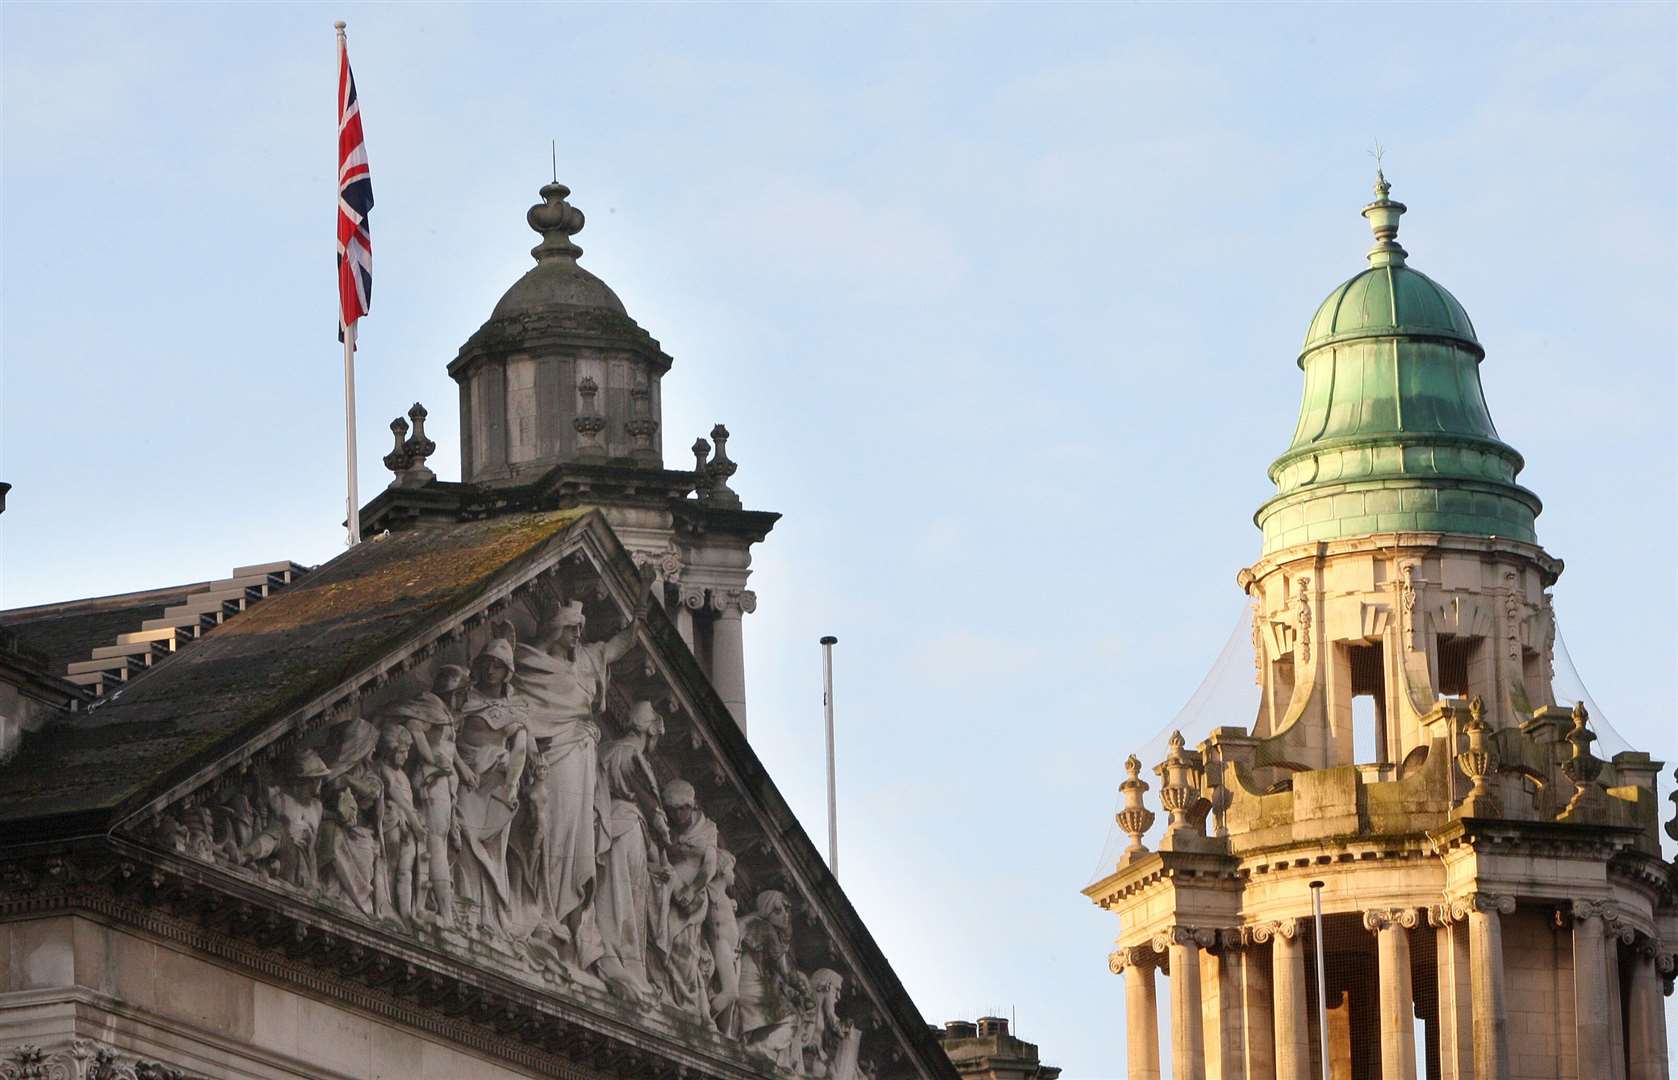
{"x":355,"y":202}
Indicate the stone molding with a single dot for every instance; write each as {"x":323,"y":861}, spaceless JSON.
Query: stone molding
{"x":82,"y":1059}
{"x":1378,"y":919}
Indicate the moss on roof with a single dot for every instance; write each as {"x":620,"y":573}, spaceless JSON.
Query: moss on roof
{"x":262,"y":665}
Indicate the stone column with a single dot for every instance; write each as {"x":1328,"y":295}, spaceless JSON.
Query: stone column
{"x":1485,"y":913}
{"x":1141,"y":1010}
{"x":1398,"y":1003}
{"x":1456,"y":1029}
{"x":1188,"y":1044}
{"x":728,"y":651}
{"x":1590,"y":986}
{"x":1259,"y":1042}
{"x":1292,"y":1018}
{"x":1223,"y":1024}
{"x":1646,"y":1016}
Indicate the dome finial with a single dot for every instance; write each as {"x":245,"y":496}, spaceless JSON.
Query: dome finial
{"x":1383,"y":215}
{"x":557,"y":221}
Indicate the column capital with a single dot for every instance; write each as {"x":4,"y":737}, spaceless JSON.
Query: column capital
{"x":1378,"y":919}
{"x":1487,"y":903}
{"x":1259,"y":933}
{"x":1125,"y":957}
{"x":1200,"y":937}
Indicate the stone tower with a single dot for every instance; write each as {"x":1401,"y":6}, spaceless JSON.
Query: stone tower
{"x":560,"y":407}
{"x":1494,"y":895}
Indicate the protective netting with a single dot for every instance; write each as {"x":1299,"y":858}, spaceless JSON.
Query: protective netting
{"x":1568,"y":688}
{"x":1227,"y":697}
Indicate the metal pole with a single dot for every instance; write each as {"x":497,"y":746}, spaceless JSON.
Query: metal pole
{"x":349,"y":432}
{"x":832,"y":796}
{"x":1322,"y":983}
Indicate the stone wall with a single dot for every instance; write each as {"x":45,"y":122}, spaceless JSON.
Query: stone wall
{"x":70,"y":977}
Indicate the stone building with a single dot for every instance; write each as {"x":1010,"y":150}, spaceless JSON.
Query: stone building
{"x":987,"y":1051}
{"x":473,"y":799}
{"x":1495,"y":899}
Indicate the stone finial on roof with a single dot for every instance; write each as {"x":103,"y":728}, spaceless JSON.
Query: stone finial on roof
{"x":1383,"y":215}
{"x":589,"y":423}
{"x":711,"y":477}
{"x":1134,"y":818}
{"x":557,"y":221}
{"x":407,"y":457}
{"x":1582,"y":768}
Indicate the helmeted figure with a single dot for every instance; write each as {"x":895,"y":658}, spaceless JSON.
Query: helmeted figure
{"x":565,"y":682}
{"x":493,"y":743}
{"x":294,"y":814}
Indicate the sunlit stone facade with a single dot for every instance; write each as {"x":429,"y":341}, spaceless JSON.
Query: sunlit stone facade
{"x":1495,"y":902}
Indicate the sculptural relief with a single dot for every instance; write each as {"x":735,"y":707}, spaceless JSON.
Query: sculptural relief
{"x":507,"y":796}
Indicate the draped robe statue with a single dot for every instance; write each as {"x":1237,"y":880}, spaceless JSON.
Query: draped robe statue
{"x":630,"y":895}
{"x":692,"y":854}
{"x":766,"y":1016}
{"x":493,"y":744}
{"x":564,"y":681}
{"x":355,"y":871}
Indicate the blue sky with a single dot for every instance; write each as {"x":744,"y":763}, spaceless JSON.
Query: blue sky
{"x":1001,"y":304}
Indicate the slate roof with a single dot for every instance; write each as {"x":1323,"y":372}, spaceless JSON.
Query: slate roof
{"x":69,"y":631}
{"x":79,"y":774}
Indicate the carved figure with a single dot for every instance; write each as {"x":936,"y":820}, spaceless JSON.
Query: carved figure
{"x":830,"y":1044}
{"x":493,"y":742}
{"x":692,"y":854}
{"x":565,"y":683}
{"x":767,"y":1012}
{"x":401,"y":830}
{"x":287,"y":844}
{"x":631,"y":896}
{"x":356,"y":871}
{"x":439,"y":771}
{"x":722,"y":940}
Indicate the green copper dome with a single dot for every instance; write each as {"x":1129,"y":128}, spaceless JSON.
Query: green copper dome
{"x":1394,"y":434}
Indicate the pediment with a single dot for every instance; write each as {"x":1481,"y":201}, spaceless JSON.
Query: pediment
{"x":615,"y":861}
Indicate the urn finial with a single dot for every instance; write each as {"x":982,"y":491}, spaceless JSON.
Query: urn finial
{"x":1383,"y":215}
{"x":557,"y":221}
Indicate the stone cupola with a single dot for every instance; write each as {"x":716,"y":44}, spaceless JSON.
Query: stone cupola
{"x":559,"y":373}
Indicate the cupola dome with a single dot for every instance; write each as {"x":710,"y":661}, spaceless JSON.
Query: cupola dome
{"x":556,"y":281}
{"x":1394,"y":434}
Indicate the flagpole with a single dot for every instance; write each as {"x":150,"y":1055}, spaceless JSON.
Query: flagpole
{"x":354,"y":518}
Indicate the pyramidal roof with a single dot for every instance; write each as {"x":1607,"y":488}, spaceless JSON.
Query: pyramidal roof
{"x":1394,"y":434}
